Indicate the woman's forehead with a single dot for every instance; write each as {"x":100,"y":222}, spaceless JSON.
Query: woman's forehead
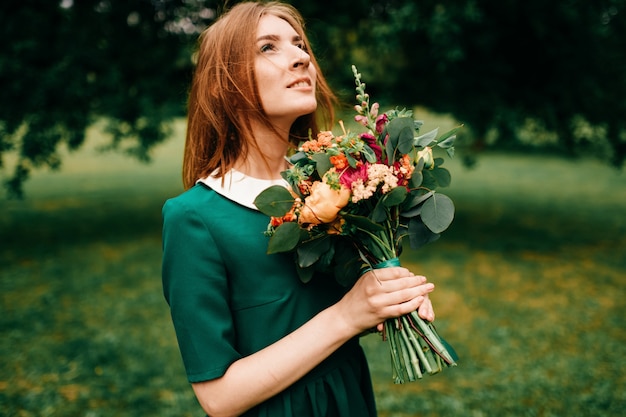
{"x":274,"y":26}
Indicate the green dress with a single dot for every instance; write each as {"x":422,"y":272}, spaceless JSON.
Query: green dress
{"x":229,"y":299}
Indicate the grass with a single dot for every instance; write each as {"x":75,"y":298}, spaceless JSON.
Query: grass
{"x":530,"y":291}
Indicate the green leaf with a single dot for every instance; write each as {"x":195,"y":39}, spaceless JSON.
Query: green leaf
{"x":429,"y":181}
{"x":322,"y":163}
{"x":419,"y":234}
{"x":380,"y":212}
{"x":426,"y":139}
{"x":351,"y":161}
{"x":310,"y":251}
{"x":363,"y":222}
{"x":405,"y":140}
{"x":438,"y":212}
{"x":447,"y":143}
{"x":442,"y":176}
{"x":400,"y":132}
{"x":369,"y":154}
{"x":274,"y":201}
{"x":285,"y":238}
{"x":395,"y":197}
{"x":347,"y":264}
{"x":417,"y":177}
{"x":305,"y":274}
{"x":449,"y":133}
{"x":412,"y":207}
{"x":299,"y":158}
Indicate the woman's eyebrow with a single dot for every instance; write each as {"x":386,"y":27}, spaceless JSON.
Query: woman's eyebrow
{"x":267,"y":38}
{"x":296,"y":38}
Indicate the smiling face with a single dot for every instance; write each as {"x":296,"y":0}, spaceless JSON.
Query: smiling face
{"x":283,"y":70}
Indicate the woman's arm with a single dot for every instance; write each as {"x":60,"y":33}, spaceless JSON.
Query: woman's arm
{"x":377,"y":296}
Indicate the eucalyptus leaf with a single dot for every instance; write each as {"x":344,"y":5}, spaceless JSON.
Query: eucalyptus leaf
{"x":405,"y":140}
{"x":438,"y":212}
{"x":395,"y":197}
{"x":447,"y":143}
{"x":413,"y":205}
{"x":363,"y":222}
{"x":285,"y":238}
{"x":347,"y":263}
{"x":429,"y":182}
{"x":426,"y":139}
{"x":449,"y":133}
{"x":310,"y":251}
{"x":417,"y":177}
{"x":369,"y":154}
{"x":322,"y":163}
{"x":400,"y":132}
{"x":298,"y":158}
{"x":380,"y":212}
{"x":274,"y":201}
{"x":419,"y":234}
{"x":442,"y":176}
{"x":305,"y":274}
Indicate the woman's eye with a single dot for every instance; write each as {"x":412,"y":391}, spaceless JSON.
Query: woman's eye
{"x":267,"y":47}
{"x":301,"y":46}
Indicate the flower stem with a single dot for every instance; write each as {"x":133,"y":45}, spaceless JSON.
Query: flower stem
{"x":417,"y":346}
{"x":390,"y":330}
{"x":432,"y":338}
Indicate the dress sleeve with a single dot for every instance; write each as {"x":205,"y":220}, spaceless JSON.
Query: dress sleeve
{"x":196,"y":288}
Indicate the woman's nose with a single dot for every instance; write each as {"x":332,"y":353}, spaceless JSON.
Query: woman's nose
{"x":301,"y":58}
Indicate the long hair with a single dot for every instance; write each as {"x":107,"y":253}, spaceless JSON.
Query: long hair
{"x":224,"y":98}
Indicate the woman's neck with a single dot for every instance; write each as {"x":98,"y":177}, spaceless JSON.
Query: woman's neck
{"x":266,"y":158}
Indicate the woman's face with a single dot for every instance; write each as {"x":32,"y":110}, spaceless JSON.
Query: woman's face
{"x":286,"y":80}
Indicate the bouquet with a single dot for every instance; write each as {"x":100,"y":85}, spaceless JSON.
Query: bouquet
{"x":353,"y":199}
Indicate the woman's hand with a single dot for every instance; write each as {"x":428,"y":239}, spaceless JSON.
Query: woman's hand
{"x":385,"y":293}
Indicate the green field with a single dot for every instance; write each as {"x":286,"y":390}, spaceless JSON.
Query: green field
{"x":530,"y":291}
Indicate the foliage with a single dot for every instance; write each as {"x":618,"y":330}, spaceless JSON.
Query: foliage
{"x":499,"y":66}
{"x":65,"y":64}
{"x":516,"y":73}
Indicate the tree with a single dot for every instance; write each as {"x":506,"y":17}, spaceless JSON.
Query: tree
{"x":65,"y":64}
{"x":551,"y":73}
{"x":514,"y":71}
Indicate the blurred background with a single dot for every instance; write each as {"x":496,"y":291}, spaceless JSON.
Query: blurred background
{"x":530,"y":276}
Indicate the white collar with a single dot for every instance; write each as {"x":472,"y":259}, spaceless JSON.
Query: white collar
{"x":239,"y":187}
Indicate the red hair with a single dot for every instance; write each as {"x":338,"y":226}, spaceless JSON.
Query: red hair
{"x":224,"y":98}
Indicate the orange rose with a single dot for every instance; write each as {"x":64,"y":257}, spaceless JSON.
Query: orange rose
{"x":323,"y":204}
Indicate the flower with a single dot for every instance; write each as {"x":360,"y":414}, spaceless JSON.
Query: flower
{"x":353,"y":199}
{"x":323,"y":204}
{"x":380,"y":122}
{"x":427,"y":155}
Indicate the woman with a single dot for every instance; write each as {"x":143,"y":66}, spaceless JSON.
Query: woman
{"x":256,"y":341}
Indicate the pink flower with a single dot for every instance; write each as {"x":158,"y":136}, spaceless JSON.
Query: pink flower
{"x":380,"y":123}
{"x":351,"y":175}
{"x":360,"y":119}
{"x":374,"y":109}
